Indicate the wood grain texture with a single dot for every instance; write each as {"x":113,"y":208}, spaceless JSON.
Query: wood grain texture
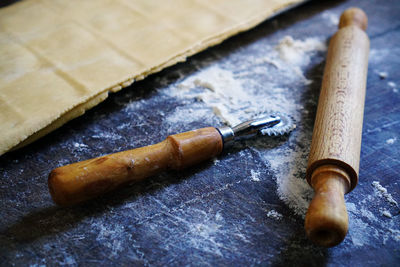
{"x":338,"y":124}
{"x":84,"y":180}
{"x":336,"y":140}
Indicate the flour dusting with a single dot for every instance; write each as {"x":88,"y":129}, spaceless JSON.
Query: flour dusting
{"x":195,"y":110}
{"x":393,"y":86}
{"x":382,"y":75}
{"x":229,"y":97}
{"x":296,"y":52}
{"x":78,"y":145}
{"x":274,"y":214}
{"x":113,"y":238}
{"x":386,"y":213}
{"x":390,"y":141}
{"x":233,"y":98}
{"x":222,"y":92}
{"x":382,"y":192}
{"x":331,"y":17}
{"x":233,"y":95}
{"x":289,"y":167}
{"x":255,"y":176}
{"x":360,"y":219}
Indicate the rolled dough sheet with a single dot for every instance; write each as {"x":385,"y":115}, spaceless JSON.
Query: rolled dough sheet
{"x":59,"y":58}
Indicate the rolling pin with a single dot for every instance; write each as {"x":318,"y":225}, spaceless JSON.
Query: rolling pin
{"x":333,"y":162}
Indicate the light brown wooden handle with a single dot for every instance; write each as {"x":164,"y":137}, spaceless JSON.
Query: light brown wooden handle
{"x":77,"y":182}
{"x":335,"y":148}
{"x":326,"y":221}
{"x":353,"y":17}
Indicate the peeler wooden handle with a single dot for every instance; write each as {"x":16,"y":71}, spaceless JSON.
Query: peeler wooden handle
{"x":84,"y":180}
{"x":335,"y":149}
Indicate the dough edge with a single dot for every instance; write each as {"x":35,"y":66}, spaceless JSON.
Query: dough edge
{"x":89,"y":102}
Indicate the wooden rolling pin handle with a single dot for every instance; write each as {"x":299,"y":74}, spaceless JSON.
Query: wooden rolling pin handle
{"x":77,"y":182}
{"x":353,"y":17}
{"x":327,"y":221}
{"x":335,"y":149}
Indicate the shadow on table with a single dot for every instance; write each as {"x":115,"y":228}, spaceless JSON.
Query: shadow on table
{"x":54,"y":220}
{"x":298,"y":251}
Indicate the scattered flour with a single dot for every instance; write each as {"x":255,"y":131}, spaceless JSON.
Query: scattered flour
{"x":274,"y":214}
{"x":393,"y":86}
{"x":79,"y":148}
{"x":113,"y":237}
{"x":296,"y":52}
{"x":390,"y":141}
{"x":232,"y":98}
{"x":368,"y":214}
{"x":111,"y":136}
{"x":190,"y":111}
{"x":218,"y":216}
{"x":223,"y":93}
{"x":289,"y":167}
{"x":255,"y":176}
{"x":379,"y":55}
{"x":382,"y":192}
{"x":386,"y":213}
{"x":382,"y":75}
{"x":358,"y":227}
{"x":331,"y":17}
{"x":360,"y":231}
{"x":78,"y":145}
{"x":233,"y":94}
{"x":228,"y":96}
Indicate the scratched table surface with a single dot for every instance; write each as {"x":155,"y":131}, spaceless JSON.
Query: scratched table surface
{"x":211,"y":214}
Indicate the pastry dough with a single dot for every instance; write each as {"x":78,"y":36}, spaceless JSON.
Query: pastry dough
{"x":59,"y":58}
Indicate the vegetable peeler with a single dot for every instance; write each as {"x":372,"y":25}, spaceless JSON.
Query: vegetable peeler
{"x":81,"y":181}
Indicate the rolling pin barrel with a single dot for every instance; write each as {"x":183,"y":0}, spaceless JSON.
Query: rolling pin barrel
{"x":335,"y":149}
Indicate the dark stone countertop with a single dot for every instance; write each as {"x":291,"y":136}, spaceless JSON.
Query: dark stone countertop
{"x":213,"y":214}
